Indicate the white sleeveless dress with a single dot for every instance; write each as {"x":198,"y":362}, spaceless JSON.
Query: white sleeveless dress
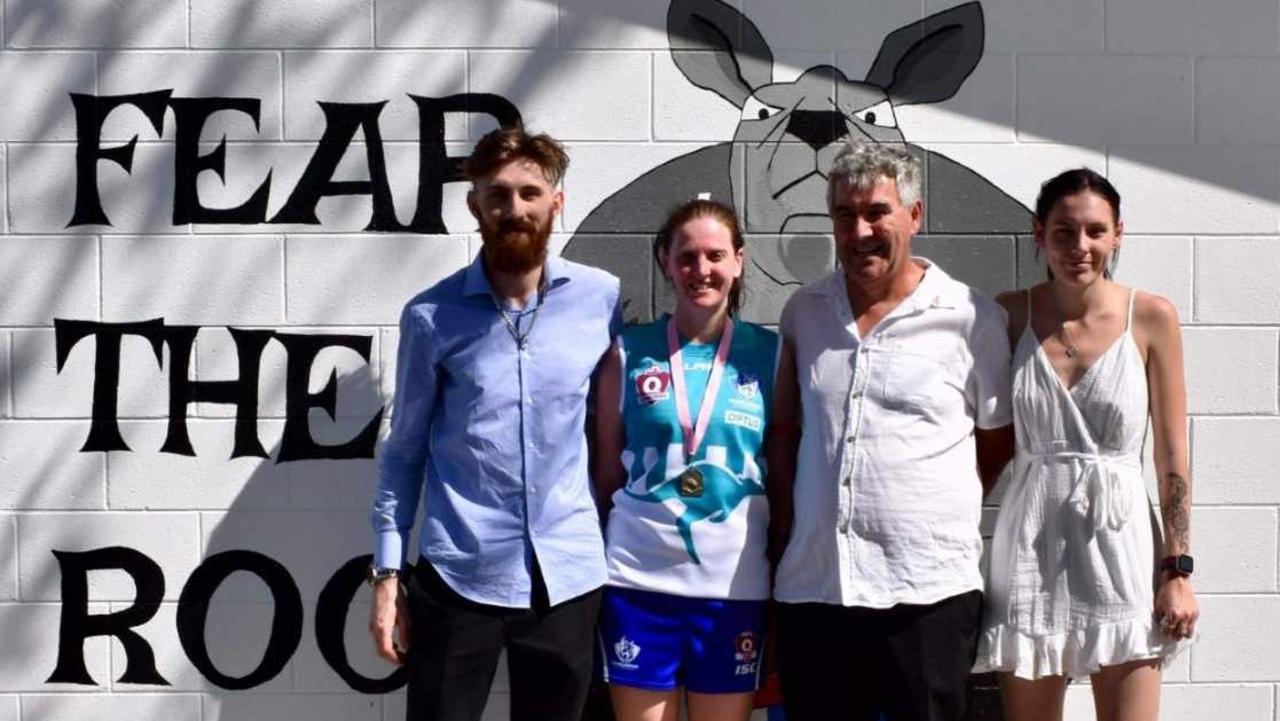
{"x":1070,"y":586}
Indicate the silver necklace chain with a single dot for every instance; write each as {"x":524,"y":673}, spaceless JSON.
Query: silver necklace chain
{"x":521,"y":339}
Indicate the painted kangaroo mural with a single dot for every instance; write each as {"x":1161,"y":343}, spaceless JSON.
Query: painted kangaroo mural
{"x":773,"y":171}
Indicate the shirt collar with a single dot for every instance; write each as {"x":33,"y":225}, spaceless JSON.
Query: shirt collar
{"x":476,"y":282}
{"x":935,"y":290}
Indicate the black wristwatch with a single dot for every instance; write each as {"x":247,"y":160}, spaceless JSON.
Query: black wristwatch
{"x":1181,"y":564}
{"x":376,"y":574}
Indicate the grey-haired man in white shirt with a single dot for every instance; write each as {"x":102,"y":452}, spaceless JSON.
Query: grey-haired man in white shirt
{"x":892,"y":422}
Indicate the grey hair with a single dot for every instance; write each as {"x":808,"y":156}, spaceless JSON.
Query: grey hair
{"x":862,"y":164}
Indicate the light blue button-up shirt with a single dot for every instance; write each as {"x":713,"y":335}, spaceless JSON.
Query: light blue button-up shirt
{"x":490,"y":437}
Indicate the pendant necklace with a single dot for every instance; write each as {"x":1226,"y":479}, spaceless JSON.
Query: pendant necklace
{"x":522,"y":339}
{"x":1068,"y":340}
{"x":690,"y":482}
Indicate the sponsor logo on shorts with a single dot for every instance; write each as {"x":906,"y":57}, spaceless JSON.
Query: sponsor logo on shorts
{"x":746,"y":647}
{"x":746,"y":420}
{"x":653,"y":385}
{"x":626,"y":651}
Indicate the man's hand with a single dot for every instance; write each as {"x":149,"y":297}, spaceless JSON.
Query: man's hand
{"x":388,"y":619}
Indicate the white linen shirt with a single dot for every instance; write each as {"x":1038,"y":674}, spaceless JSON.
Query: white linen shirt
{"x":887,"y":493}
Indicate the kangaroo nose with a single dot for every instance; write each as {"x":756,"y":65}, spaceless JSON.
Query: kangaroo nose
{"x":817,"y":128}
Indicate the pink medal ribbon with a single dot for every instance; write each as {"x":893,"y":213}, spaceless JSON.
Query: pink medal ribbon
{"x":694,"y":432}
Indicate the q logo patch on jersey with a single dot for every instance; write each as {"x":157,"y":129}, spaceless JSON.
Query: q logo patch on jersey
{"x":653,"y":385}
{"x":748,"y":385}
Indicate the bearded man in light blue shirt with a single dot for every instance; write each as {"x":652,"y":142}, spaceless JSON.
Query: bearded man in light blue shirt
{"x":494,"y":364}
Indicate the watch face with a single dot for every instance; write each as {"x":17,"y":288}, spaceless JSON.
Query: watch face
{"x":1185,"y":564}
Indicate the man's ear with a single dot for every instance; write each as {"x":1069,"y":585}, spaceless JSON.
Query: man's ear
{"x":557,"y":201}
{"x":472,"y":205}
{"x":917,"y":214}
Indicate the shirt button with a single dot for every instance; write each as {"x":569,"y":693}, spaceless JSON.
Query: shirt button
{"x":848,"y":480}
{"x":529,"y":445}
{"x":844,"y":530}
{"x":849,"y":439}
{"x":856,"y":394}
{"x":865,"y":350}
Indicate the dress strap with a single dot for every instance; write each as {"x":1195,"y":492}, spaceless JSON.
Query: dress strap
{"x":1028,"y":323}
{"x":1128,"y":323}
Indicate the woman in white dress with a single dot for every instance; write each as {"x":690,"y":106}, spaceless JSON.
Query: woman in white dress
{"x":1081,"y":581}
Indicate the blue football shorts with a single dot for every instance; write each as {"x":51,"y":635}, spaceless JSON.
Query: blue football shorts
{"x":660,"y":642}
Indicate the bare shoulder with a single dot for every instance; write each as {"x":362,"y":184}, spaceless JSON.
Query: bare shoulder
{"x":1155,"y":313}
{"x":1014,"y":303}
{"x":1155,"y":322}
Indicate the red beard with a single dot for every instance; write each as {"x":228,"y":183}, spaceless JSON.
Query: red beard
{"x":515,"y":247}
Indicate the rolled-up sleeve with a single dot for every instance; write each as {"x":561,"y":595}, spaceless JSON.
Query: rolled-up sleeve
{"x":404,"y":454}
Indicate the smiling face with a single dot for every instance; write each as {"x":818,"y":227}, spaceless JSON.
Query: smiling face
{"x":1079,"y":237}
{"x":873,"y":231}
{"x":702,"y":264}
{"x":515,"y":207}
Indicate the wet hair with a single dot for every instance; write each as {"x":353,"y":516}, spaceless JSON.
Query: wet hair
{"x":505,"y":145}
{"x":692,"y":210}
{"x":1071,"y":182}
{"x":862,"y":164}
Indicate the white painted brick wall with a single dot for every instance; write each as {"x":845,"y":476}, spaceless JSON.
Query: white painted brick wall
{"x":1176,"y":100}
{"x":1235,"y":548}
{"x":285,"y":23}
{"x":1147,"y":99}
{"x":1235,"y":460}
{"x":1231,"y":370}
{"x":170,"y":539}
{"x":1235,"y":280}
{"x":237,"y":74}
{"x":8,"y":558}
{"x":30,"y":626}
{"x":39,"y":83}
{"x":485,"y":24}
{"x":72,"y":24}
{"x":27,"y":264}
{"x":364,"y":278}
{"x":172,"y":707}
{"x":1239,"y":648}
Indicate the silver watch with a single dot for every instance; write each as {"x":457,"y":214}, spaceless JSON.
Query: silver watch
{"x":376,"y":574}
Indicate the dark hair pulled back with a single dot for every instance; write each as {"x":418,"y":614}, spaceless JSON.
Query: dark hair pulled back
{"x":1071,"y":182}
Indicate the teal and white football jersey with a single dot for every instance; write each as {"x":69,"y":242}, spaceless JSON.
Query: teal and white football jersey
{"x":711,"y":545}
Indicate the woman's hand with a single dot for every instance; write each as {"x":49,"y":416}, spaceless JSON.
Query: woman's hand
{"x":1176,"y":607}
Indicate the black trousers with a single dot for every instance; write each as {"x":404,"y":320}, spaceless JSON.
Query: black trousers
{"x":909,"y":662}
{"x":455,"y":643}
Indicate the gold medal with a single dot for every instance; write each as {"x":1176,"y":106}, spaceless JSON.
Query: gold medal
{"x":691,"y":483}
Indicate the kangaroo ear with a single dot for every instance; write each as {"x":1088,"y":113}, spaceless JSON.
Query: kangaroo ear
{"x":718,"y":49}
{"x":927,"y":61}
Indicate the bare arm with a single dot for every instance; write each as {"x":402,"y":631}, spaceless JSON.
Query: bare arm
{"x":610,"y":436}
{"x":781,"y":446}
{"x":995,"y":448}
{"x":1175,"y":600}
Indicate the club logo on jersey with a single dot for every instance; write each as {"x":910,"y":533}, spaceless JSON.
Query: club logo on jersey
{"x":746,"y":647}
{"x":653,"y":385}
{"x":748,"y":385}
{"x":626,"y":651}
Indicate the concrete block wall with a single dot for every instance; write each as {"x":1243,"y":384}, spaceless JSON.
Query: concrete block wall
{"x":1177,"y":101}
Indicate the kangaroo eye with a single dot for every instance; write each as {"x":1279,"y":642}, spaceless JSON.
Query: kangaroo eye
{"x":880,"y":115}
{"x":753,"y":109}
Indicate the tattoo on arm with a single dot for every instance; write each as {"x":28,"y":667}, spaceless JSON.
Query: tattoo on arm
{"x":1177,"y":514}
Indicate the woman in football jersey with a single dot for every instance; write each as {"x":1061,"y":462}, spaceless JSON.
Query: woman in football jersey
{"x":682,"y":408}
